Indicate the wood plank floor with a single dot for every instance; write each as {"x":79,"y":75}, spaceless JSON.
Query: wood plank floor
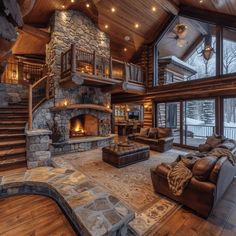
{"x":222,"y":221}
{"x":32,"y":215}
{"x":40,"y":216}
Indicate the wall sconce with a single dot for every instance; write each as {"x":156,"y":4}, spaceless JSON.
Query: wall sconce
{"x":65,"y":103}
{"x":147,"y":107}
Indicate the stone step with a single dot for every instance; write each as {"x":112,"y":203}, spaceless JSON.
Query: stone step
{"x":12,"y":163}
{"x":12,"y":152}
{"x":11,"y":144}
{"x":12,"y":130}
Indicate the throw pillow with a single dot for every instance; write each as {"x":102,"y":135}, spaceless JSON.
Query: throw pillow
{"x":163,"y":132}
{"x":152,"y":133}
{"x":203,"y":167}
{"x":144,"y":132}
{"x":213,"y":141}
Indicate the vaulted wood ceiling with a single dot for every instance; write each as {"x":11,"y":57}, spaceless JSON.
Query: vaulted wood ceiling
{"x":121,"y":23}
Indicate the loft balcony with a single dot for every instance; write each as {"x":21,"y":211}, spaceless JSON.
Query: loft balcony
{"x":83,"y":68}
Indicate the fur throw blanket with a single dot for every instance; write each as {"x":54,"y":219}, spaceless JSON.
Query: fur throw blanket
{"x":180,"y":174}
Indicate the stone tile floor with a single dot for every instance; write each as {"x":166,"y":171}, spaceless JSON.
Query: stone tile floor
{"x":91,"y":210}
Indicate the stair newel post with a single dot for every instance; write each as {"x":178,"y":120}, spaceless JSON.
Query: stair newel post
{"x":73,"y":58}
{"x":94,"y":62}
{"x":47,"y":87}
{"x":30,"y":107}
{"x":110,"y":67}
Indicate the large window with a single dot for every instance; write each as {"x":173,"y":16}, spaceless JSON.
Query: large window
{"x":229,"y":51}
{"x":198,"y":118}
{"x":230,"y":118}
{"x":187,"y":52}
{"x":204,"y":68}
{"x":168,"y":115}
{"x":199,"y":121}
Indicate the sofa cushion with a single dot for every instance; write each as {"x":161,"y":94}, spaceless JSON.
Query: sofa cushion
{"x":227,"y":144}
{"x":144,"y":132}
{"x":146,"y":140}
{"x":152,"y":133}
{"x":205,"y":147}
{"x":203,"y":167}
{"x":163,"y":132}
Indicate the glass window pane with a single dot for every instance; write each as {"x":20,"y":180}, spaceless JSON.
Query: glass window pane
{"x":199,"y":121}
{"x":168,"y":115}
{"x":187,"y":52}
{"x":230,"y":118}
{"x":229,"y":51}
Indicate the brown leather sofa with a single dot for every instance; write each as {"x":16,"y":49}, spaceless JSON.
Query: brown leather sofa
{"x":159,"y":139}
{"x":211,"y":178}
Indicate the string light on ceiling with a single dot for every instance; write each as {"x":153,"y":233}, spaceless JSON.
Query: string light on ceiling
{"x":87,"y":5}
{"x":113,"y":9}
{"x":106,"y":26}
{"x":72,"y":1}
{"x":125,"y":49}
{"x":201,"y":1}
{"x":154,"y":9}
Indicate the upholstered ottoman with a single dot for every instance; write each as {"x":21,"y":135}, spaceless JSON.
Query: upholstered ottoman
{"x":124,"y":155}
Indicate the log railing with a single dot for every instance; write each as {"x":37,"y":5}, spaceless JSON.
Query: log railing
{"x":39,"y":92}
{"x":20,"y":72}
{"x":73,"y":61}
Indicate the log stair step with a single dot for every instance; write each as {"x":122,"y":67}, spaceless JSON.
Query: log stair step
{"x":13,"y":143}
{"x":12,"y":117}
{"x":12,"y":130}
{"x":12,"y":152}
{"x":13,"y":163}
{"x":12,"y":137}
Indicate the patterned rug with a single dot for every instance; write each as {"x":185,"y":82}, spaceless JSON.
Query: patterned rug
{"x":132,"y":184}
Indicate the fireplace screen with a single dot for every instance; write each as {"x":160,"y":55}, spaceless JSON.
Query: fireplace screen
{"x":83,"y":125}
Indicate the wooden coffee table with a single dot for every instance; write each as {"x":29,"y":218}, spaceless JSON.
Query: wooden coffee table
{"x":126,"y":154}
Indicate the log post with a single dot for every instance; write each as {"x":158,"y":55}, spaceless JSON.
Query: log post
{"x":30,"y":109}
{"x":110,"y":67}
{"x":94,"y":62}
{"x":47,"y":87}
{"x":73,"y":58}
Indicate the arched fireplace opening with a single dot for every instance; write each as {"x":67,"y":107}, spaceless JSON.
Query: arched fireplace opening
{"x":84,"y":125}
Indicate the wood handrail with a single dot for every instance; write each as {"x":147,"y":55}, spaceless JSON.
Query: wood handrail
{"x":30,"y":96}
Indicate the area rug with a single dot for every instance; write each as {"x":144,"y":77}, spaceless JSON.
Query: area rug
{"x":132,"y":184}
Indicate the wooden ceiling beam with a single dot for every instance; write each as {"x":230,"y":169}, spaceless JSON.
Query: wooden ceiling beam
{"x":36,"y":32}
{"x":168,"y":6}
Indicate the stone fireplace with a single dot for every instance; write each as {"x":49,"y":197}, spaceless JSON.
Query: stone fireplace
{"x":84,"y":125}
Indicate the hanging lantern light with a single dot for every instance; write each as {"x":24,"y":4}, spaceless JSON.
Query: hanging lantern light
{"x":208,"y":50}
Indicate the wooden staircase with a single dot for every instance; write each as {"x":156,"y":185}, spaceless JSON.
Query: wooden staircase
{"x":12,"y":135}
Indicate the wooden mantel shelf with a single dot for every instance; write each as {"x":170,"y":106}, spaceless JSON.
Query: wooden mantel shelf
{"x":82,"y":106}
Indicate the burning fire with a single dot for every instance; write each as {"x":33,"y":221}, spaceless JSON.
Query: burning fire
{"x":78,"y":127}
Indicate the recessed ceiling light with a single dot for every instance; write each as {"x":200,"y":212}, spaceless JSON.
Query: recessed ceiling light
{"x":113,"y":9}
{"x":125,"y":49}
{"x":127,"y":38}
{"x":87,"y":5}
{"x":154,"y":9}
{"x":136,"y":25}
{"x":106,"y":26}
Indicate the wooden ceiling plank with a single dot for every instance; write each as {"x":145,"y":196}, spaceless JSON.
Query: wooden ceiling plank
{"x":168,"y":6}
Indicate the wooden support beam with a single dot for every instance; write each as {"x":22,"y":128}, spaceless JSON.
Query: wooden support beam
{"x":168,"y":6}
{"x":45,"y":36}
